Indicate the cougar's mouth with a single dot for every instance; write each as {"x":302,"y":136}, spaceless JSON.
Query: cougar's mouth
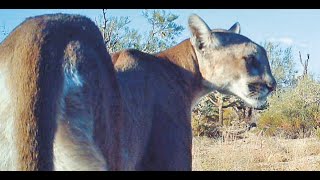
{"x":255,"y":100}
{"x":261,"y":103}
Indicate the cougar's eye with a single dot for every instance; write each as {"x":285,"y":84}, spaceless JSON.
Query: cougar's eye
{"x":251,"y":60}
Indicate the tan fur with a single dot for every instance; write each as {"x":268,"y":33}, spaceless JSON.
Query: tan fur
{"x":162,"y":88}
{"x":60,"y":109}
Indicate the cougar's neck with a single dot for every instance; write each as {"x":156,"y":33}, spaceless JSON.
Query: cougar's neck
{"x":184,"y":57}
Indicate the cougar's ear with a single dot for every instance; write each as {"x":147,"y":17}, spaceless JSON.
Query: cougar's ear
{"x":235,"y":28}
{"x":201,"y":33}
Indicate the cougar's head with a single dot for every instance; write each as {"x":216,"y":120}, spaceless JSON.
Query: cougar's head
{"x":231,"y":63}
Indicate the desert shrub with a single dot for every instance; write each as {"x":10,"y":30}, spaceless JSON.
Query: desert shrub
{"x":205,"y":126}
{"x":204,"y":119}
{"x":293,"y":113}
{"x":317,"y":132}
{"x":229,"y":116}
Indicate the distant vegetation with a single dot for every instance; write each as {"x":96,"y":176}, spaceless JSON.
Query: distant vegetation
{"x":161,"y":31}
{"x":294,"y":112}
{"x":3,"y":32}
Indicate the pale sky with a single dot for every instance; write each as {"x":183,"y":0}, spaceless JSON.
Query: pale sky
{"x":290,"y":27}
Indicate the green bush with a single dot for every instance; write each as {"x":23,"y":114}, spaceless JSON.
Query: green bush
{"x":205,"y":119}
{"x":293,"y":113}
{"x":317,"y":131}
{"x":205,"y":126}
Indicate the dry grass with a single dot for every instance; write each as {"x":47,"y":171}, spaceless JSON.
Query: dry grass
{"x":256,"y":153}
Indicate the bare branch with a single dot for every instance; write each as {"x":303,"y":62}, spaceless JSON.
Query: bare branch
{"x":104,"y":27}
{"x":301,"y":59}
{"x":212,"y":101}
{"x":304,"y":64}
{"x":307,"y":63}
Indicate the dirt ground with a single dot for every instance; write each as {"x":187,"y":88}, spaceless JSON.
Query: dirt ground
{"x":256,"y":153}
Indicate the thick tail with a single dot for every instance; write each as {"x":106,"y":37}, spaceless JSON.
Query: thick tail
{"x":35,"y":80}
{"x":34,"y":56}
